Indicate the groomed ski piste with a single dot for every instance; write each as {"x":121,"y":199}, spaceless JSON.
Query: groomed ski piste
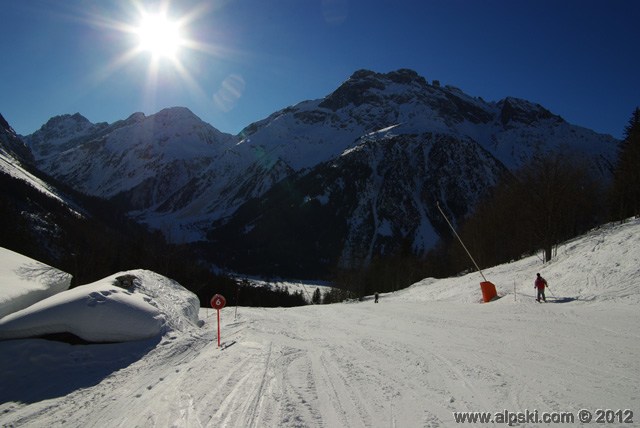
{"x":411,"y":360}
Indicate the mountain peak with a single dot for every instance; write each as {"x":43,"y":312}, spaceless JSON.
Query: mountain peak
{"x":406,"y":76}
{"x":11,"y":144}
{"x":519,"y":110}
{"x":178,"y":124}
{"x":402,"y":75}
{"x":167,"y":117}
{"x":64,"y":119}
{"x":4,"y":125}
{"x":178,"y":111}
{"x":361,"y":87}
{"x":135,"y":117}
{"x":59,"y":131}
{"x":60,"y":128}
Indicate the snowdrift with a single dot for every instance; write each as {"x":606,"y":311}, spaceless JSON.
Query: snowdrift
{"x":24,"y":281}
{"x":127,"y":306}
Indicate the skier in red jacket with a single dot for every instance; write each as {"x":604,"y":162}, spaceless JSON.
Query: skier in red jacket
{"x":540,"y":285}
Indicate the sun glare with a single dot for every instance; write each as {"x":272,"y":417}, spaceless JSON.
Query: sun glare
{"x":162,"y":37}
{"x":159,"y":36}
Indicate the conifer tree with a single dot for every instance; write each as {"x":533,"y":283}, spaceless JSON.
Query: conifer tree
{"x":626,"y":180}
{"x":317,"y":297}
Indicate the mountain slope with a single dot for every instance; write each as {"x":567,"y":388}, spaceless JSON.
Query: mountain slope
{"x":370,"y":201}
{"x":16,"y":160}
{"x":375,"y":195}
{"x":48,"y":221}
{"x":32,"y":208}
{"x":106,"y":160}
{"x":178,"y":174}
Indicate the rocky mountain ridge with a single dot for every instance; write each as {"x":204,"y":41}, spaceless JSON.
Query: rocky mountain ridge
{"x":396,"y":141}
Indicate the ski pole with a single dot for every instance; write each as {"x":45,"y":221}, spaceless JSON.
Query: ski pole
{"x":552,"y":295}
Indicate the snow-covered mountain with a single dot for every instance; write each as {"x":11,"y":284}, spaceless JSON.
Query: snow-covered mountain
{"x":373,"y":199}
{"x":368,"y":103}
{"x":49,"y":221}
{"x":146,"y":157}
{"x":11,"y":146}
{"x":371,"y":161}
{"x":375,"y":154}
{"x":16,"y":161}
{"x":31,"y":207}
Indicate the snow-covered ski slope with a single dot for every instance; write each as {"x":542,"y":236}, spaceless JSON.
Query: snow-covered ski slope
{"x":409,"y":361}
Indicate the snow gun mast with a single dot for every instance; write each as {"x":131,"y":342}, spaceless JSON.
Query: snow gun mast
{"x":488,"y":289}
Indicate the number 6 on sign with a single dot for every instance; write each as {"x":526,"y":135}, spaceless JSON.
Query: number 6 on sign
{"x":218,"y":302}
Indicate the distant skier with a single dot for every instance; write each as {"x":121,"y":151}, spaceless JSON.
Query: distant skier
{"x":540,"y":285}
{"x":376,"y":297}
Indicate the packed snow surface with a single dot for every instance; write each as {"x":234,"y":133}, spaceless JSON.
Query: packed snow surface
{"x":412,"y":360}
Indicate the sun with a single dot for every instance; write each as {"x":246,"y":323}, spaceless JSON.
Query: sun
{"x":170,"y":40}
{"x":159,"y":35}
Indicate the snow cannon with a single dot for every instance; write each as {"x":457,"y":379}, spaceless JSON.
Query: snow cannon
{"x":488,"y":291}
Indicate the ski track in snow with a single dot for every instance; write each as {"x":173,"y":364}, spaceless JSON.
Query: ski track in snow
{"x":364,"y":365}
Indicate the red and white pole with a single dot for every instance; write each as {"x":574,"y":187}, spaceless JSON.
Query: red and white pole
{"x":218,"y":310}
{"x":218,"y":302}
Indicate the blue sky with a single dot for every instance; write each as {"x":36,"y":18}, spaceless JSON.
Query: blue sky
{"x":245,"y":59}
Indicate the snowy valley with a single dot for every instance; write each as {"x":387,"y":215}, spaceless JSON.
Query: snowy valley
{"x":411,"y":360}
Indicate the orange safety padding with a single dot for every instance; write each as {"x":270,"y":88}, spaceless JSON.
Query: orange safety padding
{"x":488,"y":291}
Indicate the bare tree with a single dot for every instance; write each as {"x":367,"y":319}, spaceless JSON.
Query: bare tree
{"x":551,"y":199}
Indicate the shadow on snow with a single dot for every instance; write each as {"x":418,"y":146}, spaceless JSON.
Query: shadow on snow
{"x":33,"y":370}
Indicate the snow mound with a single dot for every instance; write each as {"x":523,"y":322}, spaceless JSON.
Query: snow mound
{"x":179,"y":305}
{"x":127,"y":306}
{"x":24,"y":281}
